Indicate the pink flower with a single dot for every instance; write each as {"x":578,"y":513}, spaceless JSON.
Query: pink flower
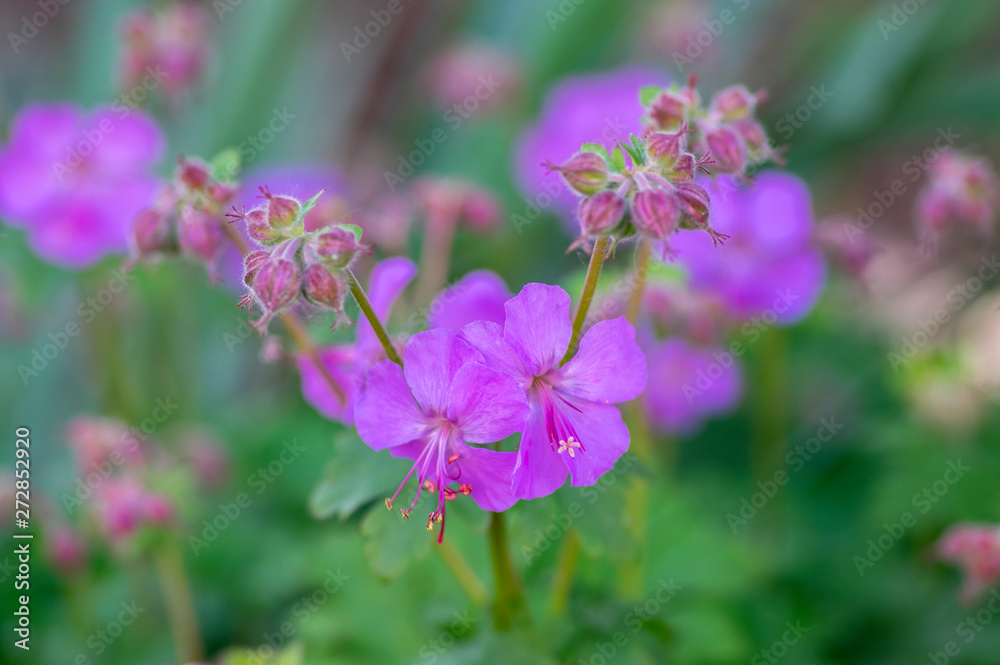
{"x":479,"y":296}
{"x":123,"y":505}
{"x":976,"y":549}
{"x":430,"y":410}
{"x":102,"y":444}
{"x":75,"y":181}
{"x":574,"y":427}
{"x":962,"y":191}
{"x":471,"y":77}
{"x":347,"y":364}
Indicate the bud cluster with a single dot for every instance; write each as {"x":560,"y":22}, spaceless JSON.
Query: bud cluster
{"x":187,"y":216}
{"x":962,"y":191}
{"x":647,"y":186}
{"x":296,"y":266}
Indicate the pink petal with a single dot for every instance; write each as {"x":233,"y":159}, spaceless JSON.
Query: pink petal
{"x":538,"y":326}
{"x":338,"y":362}
{"x":485,"y":405}
{"x":604,"y":436}
{"x":479,"y":296}
{"x":540,"y":470}
{"x":386,"y":414}
{"x":487,"y":338}
{"x":431,"y":360}
{"x":608,"y":368}
{"x":489,"y":473}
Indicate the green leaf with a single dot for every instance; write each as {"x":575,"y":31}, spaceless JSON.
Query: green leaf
{"x":392,"y":542}
{"x":640,"y":147}
{"x":648,"y":93}
{"x":309,"y":205}
{"x":636,"y":156}
{"x":618,"y":159}
{"x":597,"y":149}
{"x":354,"y":477}
{"x":226,"y":164}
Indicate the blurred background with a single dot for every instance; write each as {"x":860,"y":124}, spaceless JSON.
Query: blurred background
{"x":798,"y":520}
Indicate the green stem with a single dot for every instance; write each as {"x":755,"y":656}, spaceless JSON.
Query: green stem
{"x":369,"y":312}
{"x":565,"y":569}
{"x":509,"y":599}
{"x":463,"y":572}
{"x":640,"y":277}
{"x":771,"y":414}
{"x":179,"y":604}
{"x":586,"y":296}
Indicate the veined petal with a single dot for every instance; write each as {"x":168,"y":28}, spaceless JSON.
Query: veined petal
{"x":540,"y":470}
{"x":608,"y":368}
{"x":485,"y":405}
{"x":487,"y":338}
{"x":338,"y":362}
{"x":605,"y":439}
{"x":431,"y":359}
{"x":489,"y":473}
{"x":386,"y":414}
{"x":538,"y":326}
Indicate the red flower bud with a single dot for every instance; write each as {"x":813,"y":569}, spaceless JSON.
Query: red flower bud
{"x":656,"y":213}
{"x":193,"y":173}
{"x":600,"y":213}
{"x":665,"y":149}
{"x":252,"y":263}
{"x":695,"y":205}
{"x":282,"y":211}
{"x":334,"y":248}
{"x":324,"y":288}
{"x":669,"y":111}
{"x":734,"y":103}
{"x":199,"y":234}
{"x":726,"y":147}
{"x":151,"y":232}
{"x":276,"y":284}
{"x":584,"y":172}
{"x":480,"y":210}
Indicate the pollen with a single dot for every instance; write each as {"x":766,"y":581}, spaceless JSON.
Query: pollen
{"x":388,"y":503}
{"x":569,"y":445}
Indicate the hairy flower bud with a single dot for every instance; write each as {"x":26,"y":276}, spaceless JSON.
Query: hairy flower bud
{"x":668,"y":111}
{"x":656,"y":213}
{"x":199,"y":234}
{"x":726,"y":147}
{"x":193,"y":173}
{"x":276,"y":284}
{"x":600,"y":213}
{"x":335,"y":248}
{"x":252,"y":263}
{"x":695,"y":205}
{"x":324,"y":288}
{"x":666,"y":148}
{"x":734,"y":103}
{"x":282,"y":211}
{"x":584,"y":172}
{"x":151,"y":232}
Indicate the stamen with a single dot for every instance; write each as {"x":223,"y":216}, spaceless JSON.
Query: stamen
{"x":430,"y":486}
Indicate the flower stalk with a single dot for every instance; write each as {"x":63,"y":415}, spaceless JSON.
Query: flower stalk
{"x":586,"y":296}
{"x":369,"y":312}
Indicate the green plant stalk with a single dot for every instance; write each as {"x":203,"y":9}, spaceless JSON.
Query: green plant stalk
{"x":586,"y":296}
{"x":179,"y":604}
{"x":565,"y":569}
{"x":463,"y":572}
{"x":369,"y":313}
{"x":509,"y":599}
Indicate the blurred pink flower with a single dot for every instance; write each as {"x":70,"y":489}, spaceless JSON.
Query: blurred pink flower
{"x":65,"y":549}
{"x":975,"y":548}
{"x":123,"y":506}
{"x":75,"y":181}
{"x":961,"y":191}
{"x":102,"y":444}
{"x":472,"y":76}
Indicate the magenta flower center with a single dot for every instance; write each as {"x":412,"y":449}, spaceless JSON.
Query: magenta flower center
{"x":437,"y":466}
{"x":562,"y":435}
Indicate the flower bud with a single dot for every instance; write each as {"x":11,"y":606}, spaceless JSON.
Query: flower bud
{"x":151,"y":232}
{"x":252,"y":263}
{"x":683,"y":170}
{"x":656,"y":213}
{"x":276,"y":284}
{"x":666,"y":148}
{"x":734,"y":103}
{"x":668,"y":111}
{"x":695,"y":205}
{"x":600,"y":213}
{"x":199,"y":234}
{"x":324,"y":288}
{"x":282,"y":211}
{"x":754,"y":137}
{"x":727,"y":149}
{"x":257,"y":227}
{"x":335,"y":248}
{"x":585,"y":172}
{"x":221,"y":193}
{"x":193,"y":173}
{"x":480,"y":210}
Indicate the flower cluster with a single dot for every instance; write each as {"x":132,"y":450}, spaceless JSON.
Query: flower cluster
{"x":173,"y":44}
{"x":647,"y":186}
{"x":976,"y":549}
{"x":295,"y":265}
{"x":187,"y":216}
{"x":962,"y":191}
{"x":486,"y":382}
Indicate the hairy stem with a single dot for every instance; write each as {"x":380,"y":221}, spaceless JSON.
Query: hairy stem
{"x":586,"y":296}
{"x":369,"y":312}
